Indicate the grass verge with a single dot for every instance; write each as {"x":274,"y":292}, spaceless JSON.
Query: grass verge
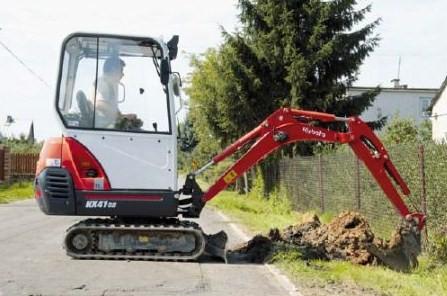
{"x":259,"y":215}
{"x":16,"y":191}
{"x":254,"y":213}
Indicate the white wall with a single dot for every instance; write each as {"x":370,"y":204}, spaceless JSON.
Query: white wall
{"x":406,"y":103}
{"x":439,"y":118}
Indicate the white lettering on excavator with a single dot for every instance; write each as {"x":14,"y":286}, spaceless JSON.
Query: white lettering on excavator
{"x":100,"y":204}
{"x":313,"y":132}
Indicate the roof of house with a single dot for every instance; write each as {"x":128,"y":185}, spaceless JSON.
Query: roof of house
{"x":438,"y":95}
{"x":394,"y":88}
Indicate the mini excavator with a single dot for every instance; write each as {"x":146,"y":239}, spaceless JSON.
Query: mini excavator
{"x":117,"y":155}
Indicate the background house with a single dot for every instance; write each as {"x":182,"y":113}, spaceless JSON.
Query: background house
{"x":411,"y":103}
{"x":438,"y":108}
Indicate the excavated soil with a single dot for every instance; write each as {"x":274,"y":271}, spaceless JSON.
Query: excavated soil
{"x":348,"y":237}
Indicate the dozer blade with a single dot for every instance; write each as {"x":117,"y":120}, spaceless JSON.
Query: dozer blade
{"x":401,"y":252}
{"x":216,"y":245}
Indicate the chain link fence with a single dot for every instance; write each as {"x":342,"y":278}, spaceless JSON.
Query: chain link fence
{"x":339,"y":182}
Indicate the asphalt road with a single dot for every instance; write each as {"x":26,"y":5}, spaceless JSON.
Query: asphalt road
{"x":33,"y":262}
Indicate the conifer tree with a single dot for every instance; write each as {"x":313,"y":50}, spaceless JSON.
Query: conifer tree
{"x":298,"y":53}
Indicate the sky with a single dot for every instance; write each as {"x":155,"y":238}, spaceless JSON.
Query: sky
{"x":413,"y":30}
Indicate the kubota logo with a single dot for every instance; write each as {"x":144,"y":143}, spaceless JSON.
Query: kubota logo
{"x":100,"y":204}
{"x":311,"y":131}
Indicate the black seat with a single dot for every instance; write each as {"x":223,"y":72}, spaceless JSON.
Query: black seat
{"x":86,"y":109}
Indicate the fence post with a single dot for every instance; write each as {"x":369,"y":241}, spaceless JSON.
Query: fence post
{"x":7,"y":165}
{"x":357,"y":182}
{"x":2,"y":164}
{"x":423,"y":192}
{"x":320,"y":175}
{"x":245,"y":183}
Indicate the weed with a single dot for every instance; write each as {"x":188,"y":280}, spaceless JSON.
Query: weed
{"x":16,"y":191}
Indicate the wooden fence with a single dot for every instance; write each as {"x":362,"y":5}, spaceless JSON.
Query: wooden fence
{"x":2,"y":164}
{"x":15,"y":166}
{"x":23,"y":165}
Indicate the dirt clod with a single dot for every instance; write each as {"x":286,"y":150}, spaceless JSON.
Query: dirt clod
{"x":257,"y":250}
{"x":348,"y":237}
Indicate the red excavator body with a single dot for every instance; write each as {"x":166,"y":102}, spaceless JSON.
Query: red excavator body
{"x":126,"y":170}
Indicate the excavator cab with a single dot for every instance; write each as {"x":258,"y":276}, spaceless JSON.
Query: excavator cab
{"x":117,"y":153}
{"x":115,"y":106}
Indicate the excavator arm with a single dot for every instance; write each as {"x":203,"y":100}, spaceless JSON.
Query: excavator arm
{"x":286,"y":126}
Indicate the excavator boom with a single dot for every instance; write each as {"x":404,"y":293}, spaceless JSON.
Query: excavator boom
{"x":286,"y":126}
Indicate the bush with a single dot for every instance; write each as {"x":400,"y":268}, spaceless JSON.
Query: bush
{"x":400,"y":130}
{"x":438,"y":247}
{"x":21,"y":145}
{"x":403,"y":130}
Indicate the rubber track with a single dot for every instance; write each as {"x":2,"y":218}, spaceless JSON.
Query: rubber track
{"x":91,"y":225}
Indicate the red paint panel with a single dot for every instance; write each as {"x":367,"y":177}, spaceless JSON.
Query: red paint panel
{"x":74,"y":157}
{"x":123,"y":197}
{"x":52,"y":148}
{"x":77,"y":159}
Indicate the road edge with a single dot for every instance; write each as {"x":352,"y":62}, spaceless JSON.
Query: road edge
{"x":282,"y":279}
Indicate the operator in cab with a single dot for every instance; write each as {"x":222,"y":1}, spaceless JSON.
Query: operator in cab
{"x":107,"y":111}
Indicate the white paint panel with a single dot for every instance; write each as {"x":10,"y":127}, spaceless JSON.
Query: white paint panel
{"x":133,"y":161}
{"x":439,"y":118}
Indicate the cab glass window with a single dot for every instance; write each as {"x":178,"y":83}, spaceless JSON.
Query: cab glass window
{"x":113,"y":84}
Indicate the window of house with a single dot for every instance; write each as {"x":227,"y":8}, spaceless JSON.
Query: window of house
{"x":424,"y":103}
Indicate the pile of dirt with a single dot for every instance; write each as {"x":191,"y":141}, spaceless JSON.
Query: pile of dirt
{"x":348,"y":237}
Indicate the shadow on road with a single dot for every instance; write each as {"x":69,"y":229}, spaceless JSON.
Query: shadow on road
{"x":231,"y":258}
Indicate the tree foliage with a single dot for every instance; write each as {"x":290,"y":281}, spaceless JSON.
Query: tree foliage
{"x":403,"y":130}
{"x":425,"y":132}
{"x":300,"y":53}
{"x":21,"y":144}
{"x":188,"y":139}
{"x":204,"y":91}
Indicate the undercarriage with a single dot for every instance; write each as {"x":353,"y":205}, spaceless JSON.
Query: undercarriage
{"x":134,"y":239}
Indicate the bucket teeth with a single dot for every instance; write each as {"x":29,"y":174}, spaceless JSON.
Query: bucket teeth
{"x":216,"y":245}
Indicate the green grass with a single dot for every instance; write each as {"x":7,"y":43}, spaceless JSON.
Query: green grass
{"x":16,"y":191}
{"x":259,"y":215}
{"x":427,"y":279}
{"x":256,"y":214}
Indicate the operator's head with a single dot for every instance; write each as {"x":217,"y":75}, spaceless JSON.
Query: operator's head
{"x":114,"y":67}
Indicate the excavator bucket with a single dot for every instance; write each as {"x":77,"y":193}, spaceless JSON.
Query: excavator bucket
{"x":401,"y":252}
{"x":216,"y":245}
